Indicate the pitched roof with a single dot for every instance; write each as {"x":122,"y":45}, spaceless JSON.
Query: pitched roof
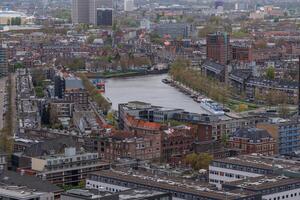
{"x":14,"y":179}
{"x":254,"y":134}
{"x":57,"y":144}
{"x":138,"y":123}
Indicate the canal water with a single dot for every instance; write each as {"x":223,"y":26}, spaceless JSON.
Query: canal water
{"x":148,"y":89}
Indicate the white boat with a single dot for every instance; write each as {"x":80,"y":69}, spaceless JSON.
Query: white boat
{"x":212,"y":107}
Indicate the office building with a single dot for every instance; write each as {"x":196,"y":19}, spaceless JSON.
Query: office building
{"x":80,"y":11}
{"x":104,"y":17}
{"x":129,"y":5}
{"x":94,"y":5}
{"x":286,"y":133}
{"x":66,"y":169}
{"x":218,"y":47}
{"x":3,"y":62}
{"x":181,"y":189}
{"x":223,"y":171}
{"x":174,"y":30}
{"x":271,"y":187}
{"x":133,"y":194}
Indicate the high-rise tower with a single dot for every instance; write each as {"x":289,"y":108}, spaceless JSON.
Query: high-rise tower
{"x":218,"y":47}
{"x":80,"y":11}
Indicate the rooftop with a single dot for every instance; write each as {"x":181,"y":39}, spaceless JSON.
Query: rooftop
{"x":13,"y":192}
{"x":138,"y":194}
{"x":31,"y":182}
{"x":179,"y":185}
{"x":264,"y":162}
{"x":11,"y":14}
{"x":262,"y":182}
{"x":253,"y":134}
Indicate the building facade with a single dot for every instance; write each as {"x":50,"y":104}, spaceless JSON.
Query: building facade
{"x":218,"y":47}
{"x":286,"y":133}
{"x":253,"y":140}
{"x":66,"y":169}
{"x":104,"y":17}
{"x":80,"y":11}
{"x":3,"y":62}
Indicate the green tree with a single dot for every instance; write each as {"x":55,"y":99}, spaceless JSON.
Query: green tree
{"x":224,"y":139}
{"x":39,"y":92}
{"x":76,"y":64}
{"x":199,"y":161}
{"x":92,"y":91}
{"x":90,"y":39}
{"x":270,"y":73}
{"x":283,"y":110}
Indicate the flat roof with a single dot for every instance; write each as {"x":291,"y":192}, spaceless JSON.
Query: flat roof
{"x":138,"y":193}
{"x":263,"y":162}
{"x":186,"y":186}
{"x":263,"y":182}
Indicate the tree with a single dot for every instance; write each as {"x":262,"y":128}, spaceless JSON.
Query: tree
{"x":90,"y":39}
{"x":15,"y":21}
{"x":92,"y":91}
{"x":39,"y":92}
{"x":224,"y":139}
{"x":283,"y":110}
{"x":76,"y":64}
{"x":270,"y":73}
{"x":199,"y":161}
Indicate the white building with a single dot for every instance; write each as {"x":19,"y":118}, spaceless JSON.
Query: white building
{"x":223,"y":171}
{"x":271,"y":187}
{"x":80,"y":11}
{"x":21,"y":193}
{"x":129,"y":5}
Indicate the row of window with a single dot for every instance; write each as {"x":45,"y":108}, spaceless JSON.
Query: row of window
{"x":230,"y":175}
{"x":241,"y":168}
{"x":285,"y":196}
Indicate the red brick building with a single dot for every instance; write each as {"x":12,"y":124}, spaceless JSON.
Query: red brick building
{"x":122,"y":144}
{"x":176,"y":143}
{"x":142,"y":126}
{"x":218,"y":47}
{"x":242,"y":53}
{"x":253,"y":140}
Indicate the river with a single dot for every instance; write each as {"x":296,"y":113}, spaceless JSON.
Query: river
{"x":148,"y":89}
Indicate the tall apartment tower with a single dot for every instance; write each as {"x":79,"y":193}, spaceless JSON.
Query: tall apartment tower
{"x":94,"y":6}
{"x":218,"y":47}
{"x":129,"y":5}
{"x":104,"y":17}
{"x":3,"y":62}
{"x":80,"y":11}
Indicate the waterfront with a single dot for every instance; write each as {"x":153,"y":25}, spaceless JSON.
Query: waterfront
{"x":148,"y":89}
